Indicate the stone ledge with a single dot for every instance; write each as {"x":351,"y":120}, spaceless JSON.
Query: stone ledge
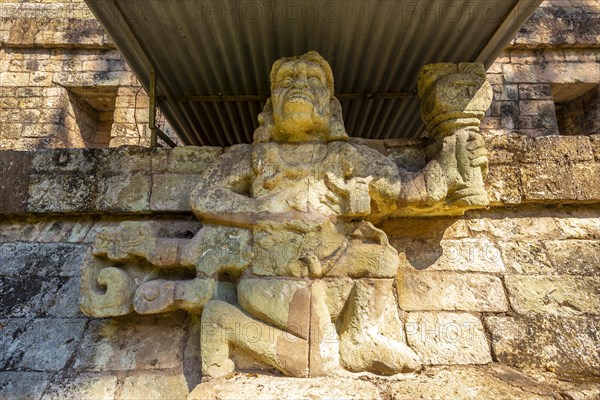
{"x":523,"y":170}
{"x":468,"y":382}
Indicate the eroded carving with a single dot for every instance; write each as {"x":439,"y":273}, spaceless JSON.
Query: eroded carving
{"x":289,"y":265}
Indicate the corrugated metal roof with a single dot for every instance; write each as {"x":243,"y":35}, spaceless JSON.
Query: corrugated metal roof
{"x":225,"y":49}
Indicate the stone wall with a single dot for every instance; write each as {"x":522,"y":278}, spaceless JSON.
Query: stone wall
{"x":505,"y":299}
{"x":551,"y":65}
{"x":62,"y":81}
{"x":63,"y":84}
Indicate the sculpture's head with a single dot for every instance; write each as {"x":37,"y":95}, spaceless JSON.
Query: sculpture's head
{"x":302,"y":106}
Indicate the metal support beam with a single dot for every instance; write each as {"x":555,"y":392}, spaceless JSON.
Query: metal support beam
{"x":259,"y":97}
{"x":165,"y":138}
{"x":152,"y":109}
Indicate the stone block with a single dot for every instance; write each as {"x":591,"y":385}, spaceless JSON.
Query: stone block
{"x":505,"y":92}
{"x":565,"y":295}
{"x":74,"y":192}
{"x":26,"y":296}
{"x":171,"y":192}
{"x":81,"y":386}
{"x":567,"y":346}
{"x":579,"y":224}
{"x":526,"y":257}
{"x":506,"y":148}
{"x":587,"y":178}
{"x":124,"y":193}
{"x":133,"y":343}
{"x":42,"y":344}
{"x":192,"y":159}
{"x":14,"y":78}
{"x":23,"y":385}
{"x":66,"y":301}
{"x":470,"y":383}
{"x":125,"y":160}
{"x":536,"y":107}
{"x":96,"y":65}
{"x":548,"y":182}
{"x":447,"y":338}
{"x":473,"y":255}
{"x":521,"y":73}
{"x":251,"y":386}
{"x":556,"y":148}
{"x":41,"y":259}
{"x":595,"y":143}
{"x":154,"y":385}
{"x":535,"y":91}
{"x":574,"y":257}
{"x":448,"y":291}
{"x":502,"y":185}
{"x":14,"y":181}
{"x":66,"y":160}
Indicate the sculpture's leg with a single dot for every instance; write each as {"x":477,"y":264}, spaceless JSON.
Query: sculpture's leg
{"x":298,"y":307}
{"x":161,"y":295}
{"x":214,"y":249}
{"x":362,"y":347}
{"x":225,"y":325}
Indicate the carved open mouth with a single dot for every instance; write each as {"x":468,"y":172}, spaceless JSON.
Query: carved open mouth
{"x":298,"y":95}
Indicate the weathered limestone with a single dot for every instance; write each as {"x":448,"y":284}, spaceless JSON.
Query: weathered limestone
{"x":447,"y":338}
{"x":427,"y":291}
{"x":133,"y":344}
{"x":156,"y":385}
{"x":471,"y":383}
{"x":41,"y":345}
{"x":264,"y":387}
{"x":468,"y":255}
{"x":289,"y":211}
{"x":564,"y":295}
{"x":567,"y":346}
{"x":83,"y":386}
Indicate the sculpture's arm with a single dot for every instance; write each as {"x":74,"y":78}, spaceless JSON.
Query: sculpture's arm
{"x":455,"y":163}
{"x":222,"y":196}
{"x":369,"y":184}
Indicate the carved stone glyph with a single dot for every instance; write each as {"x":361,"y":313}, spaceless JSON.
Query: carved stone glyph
{"x":289,"y":222}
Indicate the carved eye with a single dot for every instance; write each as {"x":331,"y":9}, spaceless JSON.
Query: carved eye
{"x":314,"y":80}
{"x":287,"y":81}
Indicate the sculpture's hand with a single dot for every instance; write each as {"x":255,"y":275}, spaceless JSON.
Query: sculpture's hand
{"x":131,"y":238}
{"x":352,"y":196}
{"x":459,"y":155}
{"x":476,"y":152}
{"x":462,"y":158}
{"x":291,"y":198}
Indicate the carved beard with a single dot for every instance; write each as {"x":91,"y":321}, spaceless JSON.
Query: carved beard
{"x":301,"y":114}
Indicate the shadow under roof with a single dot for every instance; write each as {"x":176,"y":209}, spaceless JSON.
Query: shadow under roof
{"x":212,"y":58}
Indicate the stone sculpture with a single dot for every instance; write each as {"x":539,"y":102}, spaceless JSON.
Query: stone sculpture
{"x":288,"y":264}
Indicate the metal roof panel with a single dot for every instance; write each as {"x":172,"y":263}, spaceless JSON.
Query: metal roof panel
{"x":225,"y":49}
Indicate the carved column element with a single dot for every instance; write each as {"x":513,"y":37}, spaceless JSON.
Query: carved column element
{"x":454,"y":99}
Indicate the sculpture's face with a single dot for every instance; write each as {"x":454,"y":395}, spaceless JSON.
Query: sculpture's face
{"x":300,"y":101}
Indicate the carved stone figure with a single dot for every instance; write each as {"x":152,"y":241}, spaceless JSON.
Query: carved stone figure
{"x":288,"y":265}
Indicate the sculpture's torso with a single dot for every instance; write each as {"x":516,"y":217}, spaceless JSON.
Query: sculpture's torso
{"x":300,"y":170}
